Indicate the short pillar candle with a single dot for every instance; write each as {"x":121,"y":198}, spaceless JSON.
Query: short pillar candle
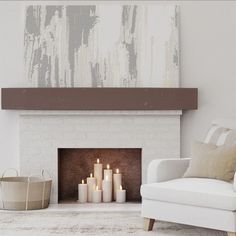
{"x":83,"y":192}
{"x":91,"y":181}
{"x":117,"y":182}
{"x":107,"y":190}
{"x":98,"y":173}
{"x":108,"y":173}
{"x":120,"y":195}
{"x":97,"y":195}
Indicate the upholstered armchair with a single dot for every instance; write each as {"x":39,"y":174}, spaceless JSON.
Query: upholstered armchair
{"x":202,"y":202}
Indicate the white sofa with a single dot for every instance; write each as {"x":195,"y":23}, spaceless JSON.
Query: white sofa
{"x":200,"y":202}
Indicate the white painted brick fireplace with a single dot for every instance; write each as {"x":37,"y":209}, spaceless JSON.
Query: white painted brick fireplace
{"x":43,"y":132}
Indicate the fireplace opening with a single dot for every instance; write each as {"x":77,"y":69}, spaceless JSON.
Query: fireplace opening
{"x":76,"y":164}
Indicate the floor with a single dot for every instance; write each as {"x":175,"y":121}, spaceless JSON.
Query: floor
{"x":91,"y":220}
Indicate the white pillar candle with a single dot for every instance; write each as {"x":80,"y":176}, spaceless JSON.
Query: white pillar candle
{"x":83,"y":192}
{"x":117,"y":181}
{"x":97,"y":195}
{"x":108,"y":173}
{"x":120,"y":195}
{"x":98,"y":173}
{"x":91,"y":181}
{"x":107,"y":190}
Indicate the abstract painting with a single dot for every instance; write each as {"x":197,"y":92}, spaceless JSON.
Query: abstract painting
{"x":101,"y":45}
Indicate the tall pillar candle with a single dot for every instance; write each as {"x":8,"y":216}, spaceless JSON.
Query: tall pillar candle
{"x":107,"y":190}
{"x":83,"y":192}
{"x":97,"y":195}
{"x":98,"y":173}
{"x":117,"y":181}
{"x":91,"y":181}
{"x":120,"y":195}
{"x":108,"y":173}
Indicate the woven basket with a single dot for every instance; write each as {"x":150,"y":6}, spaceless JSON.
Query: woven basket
{"x":25,"y":193}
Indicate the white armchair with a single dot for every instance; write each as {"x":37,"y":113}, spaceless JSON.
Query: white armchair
{"x":202,"y":202}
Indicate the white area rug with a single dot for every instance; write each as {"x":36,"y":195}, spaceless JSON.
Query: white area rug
{"x":67,"y":223}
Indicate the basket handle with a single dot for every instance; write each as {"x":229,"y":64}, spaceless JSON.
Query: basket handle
{"x":29,"y":177}
{"x":16,"y":171}
{"x":42,"y":175}
{"x":43,"y":171}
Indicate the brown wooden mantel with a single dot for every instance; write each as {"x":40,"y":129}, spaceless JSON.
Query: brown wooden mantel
{"x":99,"y":98}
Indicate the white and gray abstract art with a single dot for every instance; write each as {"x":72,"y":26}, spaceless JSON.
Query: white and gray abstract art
{"x":101,"y":46}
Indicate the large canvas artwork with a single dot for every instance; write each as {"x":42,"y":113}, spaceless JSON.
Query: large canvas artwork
{"x":101,"y":46}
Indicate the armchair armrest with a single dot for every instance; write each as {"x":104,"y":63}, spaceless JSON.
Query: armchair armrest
{"x":161,"y":170}
{"x":234,"y":182}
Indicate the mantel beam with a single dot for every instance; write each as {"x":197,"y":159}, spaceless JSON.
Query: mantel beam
{"x":99,"y":98}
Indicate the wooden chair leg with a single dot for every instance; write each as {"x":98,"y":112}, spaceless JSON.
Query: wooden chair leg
{"x":231,"y":234}
{"x":148,"y":224}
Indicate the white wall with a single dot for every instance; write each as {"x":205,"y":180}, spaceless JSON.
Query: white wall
{"x":11,"y":68}
{"x":208,"y":62}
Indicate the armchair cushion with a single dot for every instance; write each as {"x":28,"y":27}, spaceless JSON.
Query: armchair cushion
{"x":210,"y":161}
{"x":200,"y":192}
{"x":219,"y":135}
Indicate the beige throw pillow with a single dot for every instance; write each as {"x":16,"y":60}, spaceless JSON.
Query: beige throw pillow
{"x":210,"y":161}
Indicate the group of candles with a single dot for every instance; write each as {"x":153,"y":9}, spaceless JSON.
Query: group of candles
{"x":97,"y":189}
